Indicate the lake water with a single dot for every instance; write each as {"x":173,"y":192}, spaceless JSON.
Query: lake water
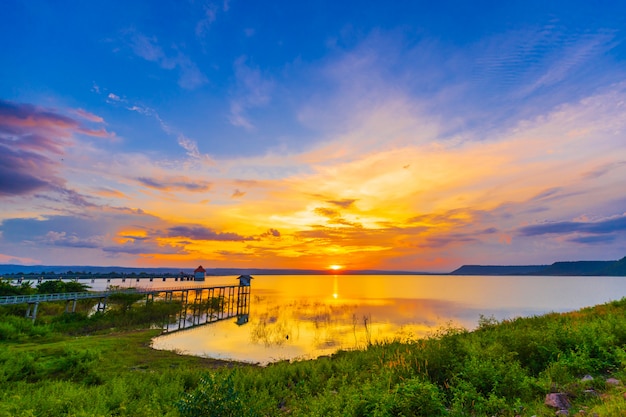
{"x":302,"y":317}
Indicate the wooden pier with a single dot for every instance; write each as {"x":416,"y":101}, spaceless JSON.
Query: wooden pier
{"x":202,"y":304}
{"x":210,"y":305}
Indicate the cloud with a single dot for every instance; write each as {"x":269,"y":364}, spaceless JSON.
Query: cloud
{"x":238,"y":194}
{"x":23,"y":172}
{"x":594,"y":240}
{"x":210,"y":14}
{"x":237,"y":116}
{"x":72,"y":241}
{"x":87,"y":236}
{"x":190,"y":76}
{"x":547,"y":193}
{"x":603,"y":169}
{"x":10,"y":259}
{"x":345,"y":203}
{"x":612,"y":225}
{"x":519,"y":63}
{"x":210,"y":11}
{"x":52,"y":230}
{"x":115,"y":97}
{"x":109,"y":192}
{"x":253,"y":90}
{"x":205,"y":233}
{"x":32,"y":143}
{"x":189,"y":145}
{"x":74,"y":198}
{"x":143,"y":247}
{"x":271,"y":233}
{"x":176,"y":183}
{"x":576,"y":53}
{"x":89,"y":116}
{"x":192,"y":149}
{"x":64,"y":228}
{"x":21,"y":117}
{"x":326,"y":212}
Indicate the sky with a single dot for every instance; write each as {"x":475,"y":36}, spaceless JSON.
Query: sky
{"x":415,"y":136}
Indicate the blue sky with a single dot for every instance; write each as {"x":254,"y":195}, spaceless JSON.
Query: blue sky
{"x":402,"y":135}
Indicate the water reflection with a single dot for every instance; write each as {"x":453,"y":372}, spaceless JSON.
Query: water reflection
{"x":300,"y":317}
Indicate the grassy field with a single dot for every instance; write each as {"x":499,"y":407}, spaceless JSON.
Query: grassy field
{"x":58,"y":368}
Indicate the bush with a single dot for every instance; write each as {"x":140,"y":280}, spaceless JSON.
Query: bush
{"x":215,"y":396}
{"x":58,"y":286}
{"x":16,"y":328}
{"x":8,"y":289}
{"x":416,"y":397}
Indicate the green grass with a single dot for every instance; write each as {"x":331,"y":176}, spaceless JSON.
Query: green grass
{"x":501,"y":369}
{"x":105,"y":374}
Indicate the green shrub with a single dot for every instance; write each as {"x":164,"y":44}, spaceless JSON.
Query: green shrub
{"x":418,"y":398}
{"x":8,"y":289}
{"x":16,"y":328}
{"x":75,"y":365}
{"x":58,"y":286}
{"x":215,"y":396}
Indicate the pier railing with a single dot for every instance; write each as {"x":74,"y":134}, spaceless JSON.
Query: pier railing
{"x":234,"y":301}
{"x":41,"y":298}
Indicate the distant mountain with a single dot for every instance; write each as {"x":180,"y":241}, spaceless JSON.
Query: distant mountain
{"x":498,"y":269}
{"x":616,"y":269}
{"x":576,"y":268}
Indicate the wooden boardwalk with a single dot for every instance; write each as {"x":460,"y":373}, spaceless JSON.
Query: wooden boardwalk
{"x":234,"y":299}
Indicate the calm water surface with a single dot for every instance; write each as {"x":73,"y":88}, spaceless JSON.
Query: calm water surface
{"x":303,"y":317}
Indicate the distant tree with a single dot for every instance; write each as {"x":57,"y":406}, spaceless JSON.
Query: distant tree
{"x":57,"y":286}
{"x":7,"y":289}
{"x":75,"y":286}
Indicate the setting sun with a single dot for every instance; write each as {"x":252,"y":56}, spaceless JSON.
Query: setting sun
{"x":335,"y":267}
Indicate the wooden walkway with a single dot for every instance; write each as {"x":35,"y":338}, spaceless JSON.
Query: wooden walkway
{"x":235,"y":298}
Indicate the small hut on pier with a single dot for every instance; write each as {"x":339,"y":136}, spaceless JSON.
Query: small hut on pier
{"x":199,"y":274}
{"x":244,"y":280}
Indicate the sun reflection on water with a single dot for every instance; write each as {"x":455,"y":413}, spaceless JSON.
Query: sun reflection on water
{"x":302,"y":317}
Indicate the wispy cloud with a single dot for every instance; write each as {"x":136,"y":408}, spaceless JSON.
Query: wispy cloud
{"x":141,"y":247}
{"x":32,"y":143}
{"x":603,"y":169}
{"x":238,"y":194}
{"x":611,"y":225}
{"x":73,"y":241}
{"x":89,"y":116}
{"x":204,"y":233}
{"x":176,"y":183}
{"x":148,"y":48}
{"x":253,"y":90}
{"x":189,"y":145}
{"x":210,"y":11}
{"x":210,"y":14}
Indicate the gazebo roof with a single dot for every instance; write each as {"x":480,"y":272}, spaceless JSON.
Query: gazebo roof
{"x":200,"y":269}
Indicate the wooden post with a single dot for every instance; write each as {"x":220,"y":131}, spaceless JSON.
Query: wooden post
{"x":102,"y":304}
{"x":32,"y":315}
